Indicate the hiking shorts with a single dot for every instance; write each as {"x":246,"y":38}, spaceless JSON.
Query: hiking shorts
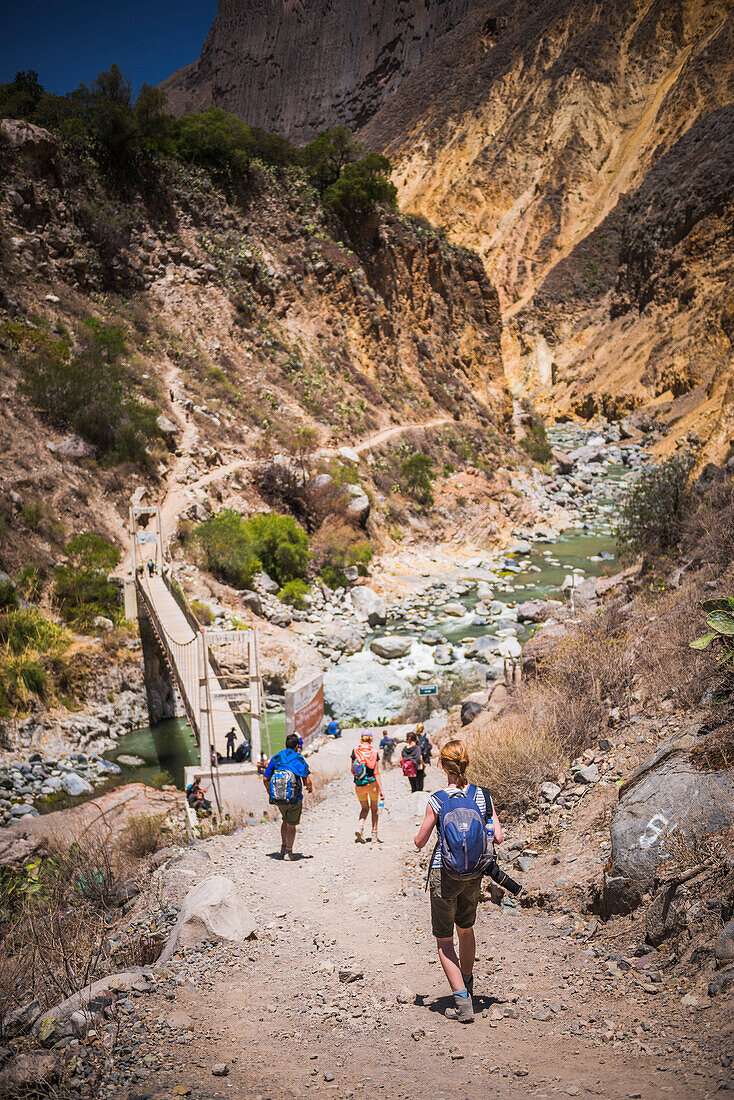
{"x":367,"y":793}
{"x":452,"y":902}
{"x":290,"y":812}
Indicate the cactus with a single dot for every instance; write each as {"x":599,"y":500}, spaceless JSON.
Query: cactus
{"x":720,"y":621}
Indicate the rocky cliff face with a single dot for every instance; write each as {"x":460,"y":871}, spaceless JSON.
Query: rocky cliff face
{"x":526,"y":123}
{"x":584,"y":152}
{"x":299,"y":68}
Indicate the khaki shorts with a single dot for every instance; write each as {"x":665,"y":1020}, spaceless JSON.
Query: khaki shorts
{"x":367,"y":793}
{"x":452,"y":902}
{"x":290,"y":812}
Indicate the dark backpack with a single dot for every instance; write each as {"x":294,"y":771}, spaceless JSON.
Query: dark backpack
{"x":426,"y":750}
{"x":466,"y":849}
{"x":285,"y":787}
{"x":359,"y":770}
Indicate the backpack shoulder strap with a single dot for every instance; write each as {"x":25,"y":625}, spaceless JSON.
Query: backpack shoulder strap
{"x":489,"y":805}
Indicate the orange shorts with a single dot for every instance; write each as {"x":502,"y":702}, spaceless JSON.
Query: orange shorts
{"x":368,"y":793}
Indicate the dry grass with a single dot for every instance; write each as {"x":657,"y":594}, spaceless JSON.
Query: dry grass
{"x":320,"y":781}
{"x":144,"y":834}
{"x":666,"y":665}
{"x":512,"y":758}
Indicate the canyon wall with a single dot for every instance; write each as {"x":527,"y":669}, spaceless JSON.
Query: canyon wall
{"x":299,"y":68}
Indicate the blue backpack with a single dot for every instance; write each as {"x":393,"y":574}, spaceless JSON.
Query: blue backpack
{"x":285,"y":787}
{"x":466,"y":849}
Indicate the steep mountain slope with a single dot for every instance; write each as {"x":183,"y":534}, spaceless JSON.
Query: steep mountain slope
{"x":642,"y":312}
{"x":527,"y":122}
{"x":300,"y":68}
{"x":250,"y":311}
{"x":584,"y":151}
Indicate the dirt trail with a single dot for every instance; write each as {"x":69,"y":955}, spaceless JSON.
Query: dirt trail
{"x":276,"y":1011}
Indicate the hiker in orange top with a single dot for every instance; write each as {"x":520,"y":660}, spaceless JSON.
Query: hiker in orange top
{"x":367,"y":785}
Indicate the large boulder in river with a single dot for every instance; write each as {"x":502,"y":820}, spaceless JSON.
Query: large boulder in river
{"x":346,"y":639}
{"x":671,"y":794}
{"x":74,"y":784}
{"x":535,"y":611}
{"x":368,"y":606}
{"x":483,"y":649}
{"x":360,"y":689}
{"x":391,"y":646}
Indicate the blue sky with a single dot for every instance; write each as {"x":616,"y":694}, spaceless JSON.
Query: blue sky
{"x":70,"y":41}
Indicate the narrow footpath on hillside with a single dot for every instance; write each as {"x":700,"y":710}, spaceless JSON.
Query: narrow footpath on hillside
{"x":341,"y":994}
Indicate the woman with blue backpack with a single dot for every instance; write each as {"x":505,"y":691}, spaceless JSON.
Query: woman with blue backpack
{"x":467,"y":828}
{"x":367,"y":785}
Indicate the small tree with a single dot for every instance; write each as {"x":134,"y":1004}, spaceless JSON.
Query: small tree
{"x":417,"y":474}
{"x":360,"y":188}
{"x":328,"y":154}
{"x":228,"y":549}
{"x":652,"y":516}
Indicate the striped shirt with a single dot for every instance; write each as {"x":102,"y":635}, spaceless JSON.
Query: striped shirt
{"x":435,"y":805}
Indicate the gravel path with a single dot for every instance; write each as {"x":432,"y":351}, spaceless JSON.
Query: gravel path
{"x":312,"y":1006}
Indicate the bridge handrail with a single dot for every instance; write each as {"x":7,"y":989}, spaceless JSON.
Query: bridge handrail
{"x":164,"y":639}
{"x":182,"y":602}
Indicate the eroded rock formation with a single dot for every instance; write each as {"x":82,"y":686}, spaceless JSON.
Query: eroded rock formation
{"x":299,"y":68}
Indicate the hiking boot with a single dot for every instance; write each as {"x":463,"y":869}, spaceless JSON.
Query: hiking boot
{"x":282,"y":851}
{"x":376,"y":838}
{"x":463,"y":1010}
{"x":289,"y":856}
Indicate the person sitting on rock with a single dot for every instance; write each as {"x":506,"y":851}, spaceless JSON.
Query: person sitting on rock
{"x":334,"y":729}
{"x":195,"y":797}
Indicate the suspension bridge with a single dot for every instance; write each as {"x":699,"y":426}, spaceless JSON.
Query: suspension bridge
{"x":216,"y":672}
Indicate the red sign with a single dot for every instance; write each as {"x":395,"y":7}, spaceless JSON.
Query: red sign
{"x":304,"y":708}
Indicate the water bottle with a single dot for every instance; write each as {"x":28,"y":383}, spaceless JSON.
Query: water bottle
{"x":381,"y":804}
{"x":490,"y":831}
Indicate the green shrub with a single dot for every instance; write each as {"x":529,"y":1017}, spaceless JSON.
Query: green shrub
{"x":360,"y":554}
{"x":8,"y":595}
{"x":417,"y":474}
{"x":281,"y":545}
{"x":82,"y":588}
{"x":720,"y":623}
{"x":203,"y":613}
{"x":653,"y":515}
{"x":25,"y":629}
{"x":31,"y":515}
{"x":335,"y":546}
{"x":359,"y":189}
{"x":234,"y":548}
{"x":223,"y":142}
{"x":88,"y":393}
{"x":227,"y":548}
{"x":293,"y":593}
{"x":327,"y":156}
{"x":29,"y":582}
{"x":536,"y":444}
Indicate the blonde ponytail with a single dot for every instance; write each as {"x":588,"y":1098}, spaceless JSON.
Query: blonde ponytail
{"x":454,"y":758}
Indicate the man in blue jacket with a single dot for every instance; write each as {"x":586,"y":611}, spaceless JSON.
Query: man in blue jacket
{"x":285,"y":777}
